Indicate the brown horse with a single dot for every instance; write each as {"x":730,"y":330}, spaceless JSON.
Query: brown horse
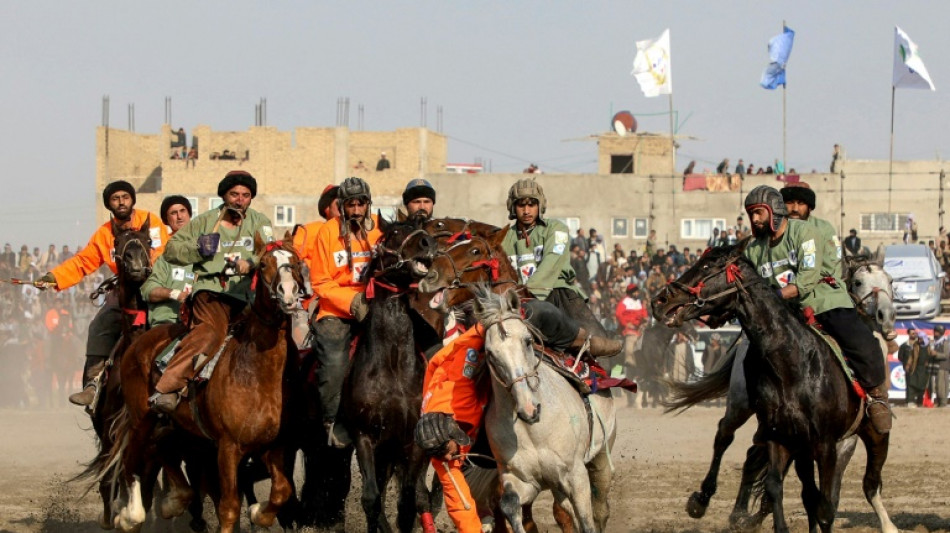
{"x":243,"y":408}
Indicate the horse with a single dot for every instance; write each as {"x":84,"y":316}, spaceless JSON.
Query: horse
{"x":242,"y":408}
{"x":133,"y":266}
{"x":864,"y":280}
{"x":556,"y":450}
{"x":382,"y":391}
{"x":805,"y":407}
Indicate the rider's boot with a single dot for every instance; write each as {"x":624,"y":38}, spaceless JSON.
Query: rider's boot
{"x":164,"y":402}
{"x":85,"y":397}
{"x":599,"y":346}
{"x":878,"y":410}
{"x":337,"y":435}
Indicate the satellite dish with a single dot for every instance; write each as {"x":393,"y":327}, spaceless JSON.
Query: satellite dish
{"x":624,"y":123}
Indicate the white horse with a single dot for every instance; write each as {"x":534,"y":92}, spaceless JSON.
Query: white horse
{"x":559,"y":450}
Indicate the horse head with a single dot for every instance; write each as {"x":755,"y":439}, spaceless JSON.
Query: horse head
{"x":278,"y":276}
{"x":871,"y":288}
{"x":509,"y":345}
{"x":133,"y":252}
{"x":403,"y":254}
{"x":709,"y":288}
{"x":468,"y":254}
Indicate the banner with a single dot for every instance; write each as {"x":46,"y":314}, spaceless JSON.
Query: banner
{"x":780,"y":47}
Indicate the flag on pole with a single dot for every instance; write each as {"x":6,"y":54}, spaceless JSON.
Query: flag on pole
{"x":652,"y":66}
{"x":909,"y":69}
{"x":780,"y":47}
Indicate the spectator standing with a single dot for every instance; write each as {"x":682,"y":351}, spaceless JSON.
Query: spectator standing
{"x":740,"y":168}
{"x":939,"y":352}
{"x":655,"y":281}
{"x":49,"y":259}
{"x":383,"y":163}
{"x":740,"y":226}
{"x":910,"y":229}
{"x":65,"y":253}
{"x":836,"y":157}
{"x":690,"y":168}
{"x":8,"y":257}
{"x":943,"y":256}
{"x":852,"y":242}
{"x":650,"y":248}
{"x":25,"y":260}
{"x":914,"y":362}
{"x":619,"y":254}
{"x":682,"y":367}
{"x":579,"y":264}
{"x":723,"y":167}
{"x":581,"y":240}
{"x":713,"y":352}
{"x":713,"y":239}
{"x":596,"y":252}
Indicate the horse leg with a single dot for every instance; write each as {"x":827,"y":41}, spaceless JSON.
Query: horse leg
{"x":180,"y":493}
{"x":734,"y":418}
{"x":413,"y":499}
{"x":372,"y":504}
{"x":515,"y":493}
{"x":876,"y":446}
{"x":778,"y":461}
{"x":280,"y":489}
{"x":197,"y":468}
{"x":754,"y":471}
{"x":812,"y":499}
{"x":229,"y":504}
{"x":576,"y":485}
{"x":600,"y":476}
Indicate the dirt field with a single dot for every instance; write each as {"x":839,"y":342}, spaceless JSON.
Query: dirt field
{"x":660,"y":460}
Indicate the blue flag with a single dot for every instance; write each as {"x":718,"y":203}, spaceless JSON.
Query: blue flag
{"x":780,"y":47}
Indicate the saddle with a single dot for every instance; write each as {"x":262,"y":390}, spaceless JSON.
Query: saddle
{"x":583,"y":373}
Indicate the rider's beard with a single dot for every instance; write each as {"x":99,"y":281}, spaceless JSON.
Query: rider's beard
{"x":761,"y":230}
{"x":122,"y":216}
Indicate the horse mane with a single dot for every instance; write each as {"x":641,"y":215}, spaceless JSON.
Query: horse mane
{"x":491,"y":308}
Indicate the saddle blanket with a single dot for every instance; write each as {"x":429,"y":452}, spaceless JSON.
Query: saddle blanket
{"x":589,"y":373}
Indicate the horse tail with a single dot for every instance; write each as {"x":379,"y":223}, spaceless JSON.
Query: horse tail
{"x":709,"y":387}
{"x":108,"y":462}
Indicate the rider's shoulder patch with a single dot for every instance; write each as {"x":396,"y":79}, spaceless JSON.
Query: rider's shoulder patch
{"x":560,"y":237}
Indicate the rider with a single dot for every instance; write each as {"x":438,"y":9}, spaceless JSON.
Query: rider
{"x":800,"y":202}
{"x":218,"y":245}
{"x":305,"y":237}
{"x":167,"y":286}
{"x":787,"y":254}
{"x":538,"y":250}
{"x":419,"y":199}
{"x":106,"y":327}
{"x":342,"y":253}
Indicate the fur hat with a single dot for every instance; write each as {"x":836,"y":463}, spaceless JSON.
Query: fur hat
{"x":115,"y":187}
{"x":326,"y":198}
{"x":800,"y":192}
{"x":418,"y":188}
{"x":235,"y":178}
{"x":173,"y":200}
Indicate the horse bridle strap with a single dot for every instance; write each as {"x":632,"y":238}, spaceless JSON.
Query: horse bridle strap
{"x":400,"y":260}
{"x":491,"y":368}
{"x":733,"y":276}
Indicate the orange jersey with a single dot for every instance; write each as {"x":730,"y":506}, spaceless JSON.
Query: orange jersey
{"x":100,"y":250}
{"x":334,"y":282}
{"x":452,"y":384}
{"x":305,"y":242}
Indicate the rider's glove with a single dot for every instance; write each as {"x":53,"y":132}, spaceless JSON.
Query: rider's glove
{"x":359,"y":307}
{"x":46,"y":280}
{"x":434,"y":432}
{"x":208,"y":245}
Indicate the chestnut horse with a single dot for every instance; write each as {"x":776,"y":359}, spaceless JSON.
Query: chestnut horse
{"x":243,"y":407}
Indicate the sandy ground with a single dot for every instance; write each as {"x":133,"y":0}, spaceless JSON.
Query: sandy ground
{"x":660,"y":460}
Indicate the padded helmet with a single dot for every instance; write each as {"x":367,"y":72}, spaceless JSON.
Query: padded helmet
{"x":354,"y":187}
{"x":771,"y":199}
{"x":526,"y":188}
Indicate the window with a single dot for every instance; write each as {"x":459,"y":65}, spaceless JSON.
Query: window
{"x":195,"y":208}
{"x":619,"y":228}
{"x":621,"y":164}
{"x":883,"y":221}
{"x":284,"y":215}
{"x":700,"y":228}
{"x":573,"y":224}
{"x":214,"y":203}
{"x":641,"y":228}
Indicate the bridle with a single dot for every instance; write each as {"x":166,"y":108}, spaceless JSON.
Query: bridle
{"x":273,"y":291}
{"x":694,"y":294}
{"x":499,"y":321}
{"x":383,"y":251}
{"x":875,"y":293}
{"x":492,"y":265}
{"x":135,"y":240}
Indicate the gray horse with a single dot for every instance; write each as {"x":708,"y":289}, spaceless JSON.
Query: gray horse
{"x":870,"y":288}
{"x":558,"y":450}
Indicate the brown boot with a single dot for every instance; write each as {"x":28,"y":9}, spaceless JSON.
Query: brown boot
{"x":599,"y":346}
{"x":878,"y":409}
{"x":90,"y":383}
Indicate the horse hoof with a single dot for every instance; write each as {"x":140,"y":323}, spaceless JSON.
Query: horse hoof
{"x":258,"y":518}
{"x":174,"y":506}
{"x":125,"y":523}
{"x":744,"y":523}
{"x":104,"y":522}
{"x":696,"y":506}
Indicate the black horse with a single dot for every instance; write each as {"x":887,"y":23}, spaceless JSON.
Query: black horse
{"x":802,"y":400}
{"x":382,"y":393}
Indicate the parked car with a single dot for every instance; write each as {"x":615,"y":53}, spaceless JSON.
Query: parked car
{"x":918,"y":279}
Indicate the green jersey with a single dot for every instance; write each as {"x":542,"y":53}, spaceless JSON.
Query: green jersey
{"x":170,"y":277}
{"x":236,"y":243}
{"x":797,"y":259}
{"x":542,"y":257}
{"x":831,"y":262}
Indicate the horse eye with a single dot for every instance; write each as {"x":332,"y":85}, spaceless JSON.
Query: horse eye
{"x":476,"y":251}
{"x":439,"y":225}
{"x":857,"y":283}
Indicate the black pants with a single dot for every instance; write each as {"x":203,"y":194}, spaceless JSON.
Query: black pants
{"x":331,"y":346}
{"x":858,"y":344}
{"x":105,"y":329}
{"x":576,"y":307}
{"x":558,"y":328}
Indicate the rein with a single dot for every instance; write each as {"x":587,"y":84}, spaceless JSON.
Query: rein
{"x":400,"y":260}
{"x":491,"y":265}
{"x":695,"y":293}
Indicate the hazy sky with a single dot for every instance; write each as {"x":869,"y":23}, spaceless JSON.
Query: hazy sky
{"x":519,"y":81}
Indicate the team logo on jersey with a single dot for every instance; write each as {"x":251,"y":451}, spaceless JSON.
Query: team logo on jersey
{"x":178,"y":274}
{"x":339,"y":258}
{"x":785,"y":278}
{"x":808,"y":261}
{"x":560,"y":237}
{"x":793,"y":257}
{"x":358,"y":269}
{"x":809,"y":246}
{"x":538,"y":253}
{"x":558,"y":249}
{"x":765,"y":270}
{"x":267,"y":233}
{"x":469,"y":370}
{"x":527,"y":271}
{"x":471,"y":355}
{"x":155,"y":236}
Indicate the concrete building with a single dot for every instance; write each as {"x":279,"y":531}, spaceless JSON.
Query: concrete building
{"x":635,"y":190}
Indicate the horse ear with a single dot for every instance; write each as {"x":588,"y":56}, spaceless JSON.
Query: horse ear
{"x":878,"y":258}
{"x":145,"y":225}
{"x":384,"y":223}
{"x":288,"y":236}
{"x":740,"y":248}
{"x":115,"y":228}
{"x":400,"y":216}
{"x":514,"y":301}
{"x":496,"y":238}
{"x":258,"y":243}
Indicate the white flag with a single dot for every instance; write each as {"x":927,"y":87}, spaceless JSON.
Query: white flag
{"x":909,"y":69}
{"x":652,"y":66}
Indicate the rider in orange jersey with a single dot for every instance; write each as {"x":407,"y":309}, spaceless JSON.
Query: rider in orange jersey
{"x":106,"y":327}
{"x":305,"y":237}
{"x":343,"y":252}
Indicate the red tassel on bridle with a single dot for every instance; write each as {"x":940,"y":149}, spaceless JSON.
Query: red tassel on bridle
{"x":733,"y":273}
{"x":492,"y":264}
{"x":697,"y":289}
{"x":460,"y":236}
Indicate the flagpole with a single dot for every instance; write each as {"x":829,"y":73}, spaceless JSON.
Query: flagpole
{"x":672,"y":153}
{"x":784,"y":129}
{"x":890,"y":161}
